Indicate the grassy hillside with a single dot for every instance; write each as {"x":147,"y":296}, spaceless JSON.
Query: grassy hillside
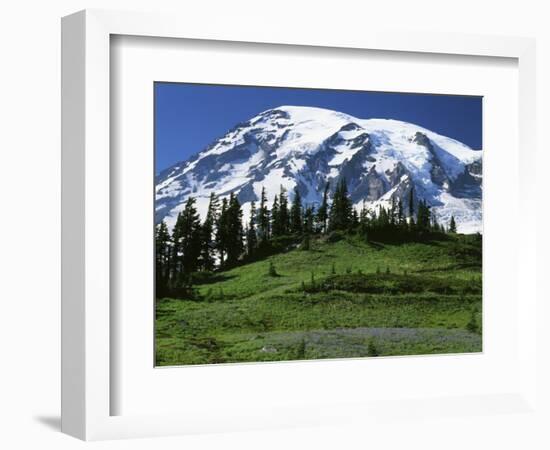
{"x":338,"y":299}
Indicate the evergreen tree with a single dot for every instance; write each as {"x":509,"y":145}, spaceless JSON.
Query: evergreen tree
{"x":340,"y":211}
{"x":162,"y":258}
{"x":393,"y":212}
{"x":251,"y":237}
{"x":322,"y":212}
{"x":284,"y":216}
{"x":364,"y":221}
{"x":263,"y":218}
{"x":190,"y":238}
{"x":296,"y":213}
{"x":423,"y":219}
{"x":435,"y":224}
{"x":452,"y":225}
{"x":275,"y":218}
{"x":309,"y":219}
{"x":208,"y":246}
{"x":411,"y":202}
{"x":234,"y":232}
{"x":411,"y":208}
{"x":221,"y":232}
{"x":400,"y":215}
{"x":177,"y":250}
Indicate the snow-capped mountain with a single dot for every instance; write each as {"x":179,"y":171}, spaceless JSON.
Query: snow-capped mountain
{"x":305,"y":147}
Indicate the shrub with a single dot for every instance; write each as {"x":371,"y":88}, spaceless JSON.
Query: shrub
{"x":272,"y":272}
{"x":371,"y":348}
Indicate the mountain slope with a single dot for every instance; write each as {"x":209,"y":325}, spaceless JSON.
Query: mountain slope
{"x":305,"y":147}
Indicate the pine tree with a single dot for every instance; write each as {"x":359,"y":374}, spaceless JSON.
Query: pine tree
{"x":309,"y":219}
{"x":423,"y":219}
{"x":162,"y":258}
{"x":263,"y":218}
{"x":411,"y":202}
{"x":234,"y":231}
{"x":208,"y":246}
{"x":190,"y":238}
{"x":400,"y":215}
{"x":364,"y":221}
{"x":322,"y":212}
{"x":221,"y":232}
{"x":393,"y":212}
{"x":435,"y":224}
{"x":177,"y":249}
{"x":275,"y":218}
{"x":340,"y":211}
{"x":452,"y":225}
{"x":411,"y":208}
{"x":251,"y":237}
{"x":296,"y":213}
{"x":284,"y":216}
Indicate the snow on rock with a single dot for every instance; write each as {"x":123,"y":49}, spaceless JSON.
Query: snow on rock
{"x":306,"y":147}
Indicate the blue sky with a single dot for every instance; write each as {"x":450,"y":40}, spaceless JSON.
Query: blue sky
{"x":188,"y":117}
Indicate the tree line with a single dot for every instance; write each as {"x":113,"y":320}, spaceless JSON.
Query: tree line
{"x":222,"y":240}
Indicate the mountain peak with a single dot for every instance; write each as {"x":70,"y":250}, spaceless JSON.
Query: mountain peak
{"x":304,"y":147}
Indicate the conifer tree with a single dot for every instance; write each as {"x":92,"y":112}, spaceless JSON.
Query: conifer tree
{"x":190,"y":237}
{"x":296,"y":213}
{"x":393,"y":212}
{"x":411,"y":202}
{"x":177,"y":248}
{"x":162,"y":258}
{"x":452,"y":225}
{"x":251,"y":237}
{"x":234,"y":232}
{"x":364,"y":221}
{"x":221,"y":232}
{"x":400,"y":215}
{"x":309,"y":219}
{"x":284,"y":216}
{"x":208,"y":246}
{"x":263,"y":218}
{"x":322,"y":212}
{"x":423,"y":219}
{"x":411,"y":208}
{"x":340,"y":211}
{"x":435,"y":224}
{"x":275,"y":218}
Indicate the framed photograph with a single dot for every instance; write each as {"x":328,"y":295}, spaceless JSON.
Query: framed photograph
{"x":263,"y":231}
{"x":299,"y":231}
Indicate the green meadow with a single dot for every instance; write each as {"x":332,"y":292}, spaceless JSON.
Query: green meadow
{"x":342,"y":297}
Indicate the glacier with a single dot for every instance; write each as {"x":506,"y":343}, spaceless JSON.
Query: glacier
{"x":304,"y":147}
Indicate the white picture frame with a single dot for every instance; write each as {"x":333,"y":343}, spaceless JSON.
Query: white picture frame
{"x":87,"y":386}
